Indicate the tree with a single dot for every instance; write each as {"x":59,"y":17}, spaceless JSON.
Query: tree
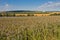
{"x":0,"y":15}
{"x":14,"y":14}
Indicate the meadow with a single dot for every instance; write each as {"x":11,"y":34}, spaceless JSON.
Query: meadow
{"x":30,"y":28}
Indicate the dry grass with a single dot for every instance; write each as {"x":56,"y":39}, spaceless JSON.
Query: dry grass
{"x":41,"y":14}
{"x":30,"y":28}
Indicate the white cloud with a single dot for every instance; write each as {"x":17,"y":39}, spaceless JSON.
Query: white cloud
{"x":4,"y":7}
{"x":49,"y":6}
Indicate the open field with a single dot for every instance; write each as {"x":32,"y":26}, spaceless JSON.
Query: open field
{"x":30,"y":28}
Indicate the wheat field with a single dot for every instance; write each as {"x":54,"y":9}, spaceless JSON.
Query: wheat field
{"x":30,"y":28}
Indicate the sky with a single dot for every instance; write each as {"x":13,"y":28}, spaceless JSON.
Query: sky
{"x":35,"y":5}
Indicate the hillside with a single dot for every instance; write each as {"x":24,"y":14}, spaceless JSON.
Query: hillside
{"x":29,"y":13}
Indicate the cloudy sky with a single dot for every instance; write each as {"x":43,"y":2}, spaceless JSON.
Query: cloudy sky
{"x":40,"y":5}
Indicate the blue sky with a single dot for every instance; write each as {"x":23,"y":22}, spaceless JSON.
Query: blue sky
{"x":40,"y":5}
